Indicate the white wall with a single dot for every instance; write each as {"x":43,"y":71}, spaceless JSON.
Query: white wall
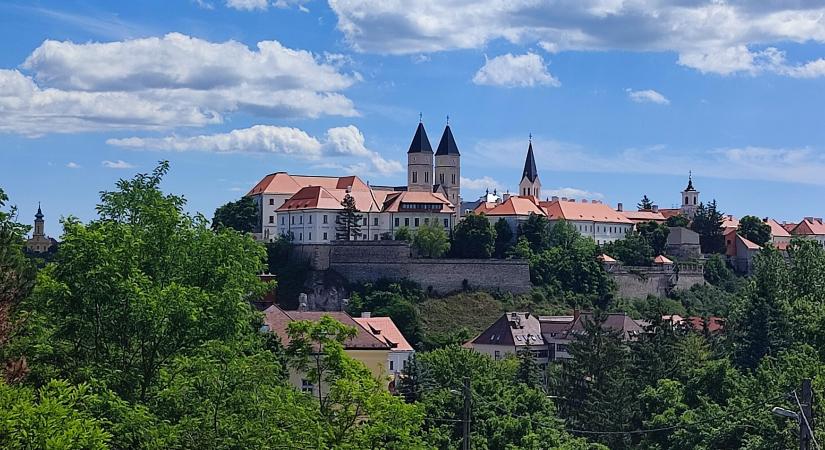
{"x":308,"y":227}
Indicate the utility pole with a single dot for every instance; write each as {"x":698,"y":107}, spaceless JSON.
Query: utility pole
{"x":806,"y":419}
{"x":467,"y":403}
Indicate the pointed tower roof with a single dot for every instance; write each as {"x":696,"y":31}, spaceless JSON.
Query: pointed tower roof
{"x":420,"y":142}
{"x":690,"y":183}
{"x":530,"y":170}
{"x":39,"y":214}
{"x":447,"y":146}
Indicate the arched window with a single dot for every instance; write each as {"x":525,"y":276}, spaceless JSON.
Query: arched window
{"x":686,"y":201}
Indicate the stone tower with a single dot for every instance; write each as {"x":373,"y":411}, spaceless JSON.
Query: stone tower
{"x":38,"y":223}
{"x":690,"y":199}
{"x":39,"y":242}
{"x":530,"y":183}
{"x":420,"y":162}
{"x":448,"y":166}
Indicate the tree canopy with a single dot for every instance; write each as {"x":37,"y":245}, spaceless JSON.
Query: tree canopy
{"x":241,"y":215}
{"x":755,"y":230}
{"x":474,"y":237}
{"x":431,"y":240}
{"x":707,"y":222}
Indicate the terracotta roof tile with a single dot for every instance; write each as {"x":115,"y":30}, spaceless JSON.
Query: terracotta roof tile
{"x":576,"y":211}
{"x":776,"y":229}
{"x":644,"y":216}
{"x":662,"y":259}
{"x":384,"y":329}
{"x":278,"y":322}
{"x":516,"y":205}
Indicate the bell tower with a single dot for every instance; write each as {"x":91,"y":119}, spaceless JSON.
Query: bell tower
{"x":530,"y":184}
{"x":448,"y":166}
{"x":690,"y":199}
{"x":420,"y":162}
{"x":38,"y":223}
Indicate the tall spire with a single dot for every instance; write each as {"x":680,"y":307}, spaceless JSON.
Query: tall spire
{"x":39,"y":214}
{"x":447,"y":146}
{"x":530,"y":171}
{"x":690,"y":182}
{"x":420,"y":142}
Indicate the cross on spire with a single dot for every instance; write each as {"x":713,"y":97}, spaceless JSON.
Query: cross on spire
{"x":448,"y":120}
{"x":530,"y":138}
{"x":420,"y":117}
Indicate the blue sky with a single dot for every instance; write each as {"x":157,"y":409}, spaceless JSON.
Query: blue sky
{"x":623,"y":98}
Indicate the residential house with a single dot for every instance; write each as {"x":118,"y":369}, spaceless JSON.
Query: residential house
{"x":780,"y":237}
{"x":512,"y":333}
{"x":385,"y":330}
{"x":593,"y":219}
{"x":365,"y":346}
{"x":811,"y":228}
{"x":740,"y":251}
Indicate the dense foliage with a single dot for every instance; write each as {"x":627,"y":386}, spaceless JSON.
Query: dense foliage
{"x":241,"y":215}
{"x":431,"y":240}
{"x":632,"y":250}
{"x":348,"y":221}
{"x":474,"y":237}
{"x":708,"y":224}
{"x":755,"y":230}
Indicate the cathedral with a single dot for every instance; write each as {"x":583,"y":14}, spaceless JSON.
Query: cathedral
{"x":444,"y":176}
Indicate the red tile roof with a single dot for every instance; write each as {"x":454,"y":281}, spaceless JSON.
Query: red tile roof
{"x":384,"y":329}
{"x":776,"y":229}
{"x":810,"y":226}
{"x":644,"y":216}
{"x":516,"y":205}
{"x":662,"y":259}
{"x":667,"y":213}
{"x":577,"y":211}
{"x":278,"y":322}
{"x":284,"y":183}
{"x":605,"y":258}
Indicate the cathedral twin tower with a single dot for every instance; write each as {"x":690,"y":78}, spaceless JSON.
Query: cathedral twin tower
{"x":447,"y":177}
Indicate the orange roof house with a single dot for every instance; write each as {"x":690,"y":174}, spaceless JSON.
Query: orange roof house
{"x":644,"y":216}
{"x":582,"y":211}
{"x":515,"y":205}
{"x":810,"y":226}
{"x":384,"y":329}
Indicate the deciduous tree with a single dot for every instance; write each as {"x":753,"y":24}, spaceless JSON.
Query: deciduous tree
{"x":755,"y":230}
{"x":474,"y":237}
{"x":241,"y":215}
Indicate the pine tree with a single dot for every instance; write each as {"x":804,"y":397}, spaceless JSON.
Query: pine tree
{"x":348,"y":221}
{"x":708,"y":223}
{"x":645,"y":204}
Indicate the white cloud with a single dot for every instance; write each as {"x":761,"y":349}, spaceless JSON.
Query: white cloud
{"x":791,"y":165}
{"x":647,"y":96}
{"x":247,"y":5}
{"x":204,"y":4}
{"x":73,"y":165}
{"x":713,"y":36}
{"x":480,"y":184}
{"x":515,"y":71}
{"x":168,"y":82}
{"x":119,"y":164}
{"x":345,"y":142}
{"x":571,"y":192}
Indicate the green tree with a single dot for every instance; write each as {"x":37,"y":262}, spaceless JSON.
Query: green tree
{"x":535,"y":230}
{"x":645,"y":204}
{"x":431,"y":240}
{"x":760,"y":323}
{"x":348,"y":221}
{"x":403,"y":234}
{"x":54,"y":416}
{"x":633,"y":250}
{"x":132,"y":290}
{"x":717,"y":272}
{"x":677,"y":221}
{"x":242,"y":215}
{"x":755,"y":230}
{"x":17,"y":273}
{"x":655,"y":234}
{"x":504,"y":238}
{"x":707,"y":222}
{"x":474,"y":237}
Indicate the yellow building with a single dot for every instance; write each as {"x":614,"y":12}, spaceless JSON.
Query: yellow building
{"x":364,"y":346}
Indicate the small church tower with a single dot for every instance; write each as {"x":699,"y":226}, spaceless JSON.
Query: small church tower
{"x":530,"y":184}
{"x":420,"y":162}
{"x":690,"y":199}
{"x":448,"y":166}
{"x":39,"y":242}
{"x":38,"y":223}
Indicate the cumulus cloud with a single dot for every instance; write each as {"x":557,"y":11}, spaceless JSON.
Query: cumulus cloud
{"x":712,"y":36}
{"x":515,"y":71}
{"x":647,"y":96}
{"x":119,"y":164}
{"x":345,"y":142}
{"x":168,"y":82}
{"x":73,"y":165}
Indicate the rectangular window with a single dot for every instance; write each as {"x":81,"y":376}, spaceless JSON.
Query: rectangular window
{"x":426,"y":177}
{"x":300,"y":236}
{"x":310,"y":236}
{"x":446,"y":223}
{"x":415,"y":177}
{"x":301,"y":219}
{"x":365,"y":221}
{"x":441,"y":178}
{"x":397,"y":220}
{"x":283,"y":220}
{"x":406,"y":221}
{"x":375,"y":221}
{"x":454,"y":179}
{"x":391,"y":365}
{"x":292,"y":220}
{"x":271,"y":219}
{"x":325,"y":218}
{"x":416,"y":221}
{"x":271,"y":201}
{"x":307,"y":387}
{"x":497,"y":355}
{"x":325,"y":236}
{"x":310,"y":218}
{"x":363,"y":237}
{"x":374,"y":237}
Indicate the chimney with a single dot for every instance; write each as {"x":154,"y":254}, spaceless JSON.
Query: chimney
{"x":366,"y":314}
{"x":655,"y":208}
{"x":572,"y":200}
{"x":819,"y":219}
{"x":564,"y":199}
{"x":554,"y":198}
{"x":349,"y":189}
{"x":584,"y":200}
{"x":620,"y":207}
{"x":809,"y":219}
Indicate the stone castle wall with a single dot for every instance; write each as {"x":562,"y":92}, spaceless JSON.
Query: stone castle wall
{"x":639,"y":282}
{"x":364,"y":261}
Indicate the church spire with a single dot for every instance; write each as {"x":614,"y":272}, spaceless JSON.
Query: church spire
{"x":39,"y":215}
{"x":690,"y":182}
{"x":530,"y":172}
{"x":447,"y":146}
{"x":420,"y":142}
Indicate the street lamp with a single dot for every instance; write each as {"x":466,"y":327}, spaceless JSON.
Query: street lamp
{"x":782,"y":412}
